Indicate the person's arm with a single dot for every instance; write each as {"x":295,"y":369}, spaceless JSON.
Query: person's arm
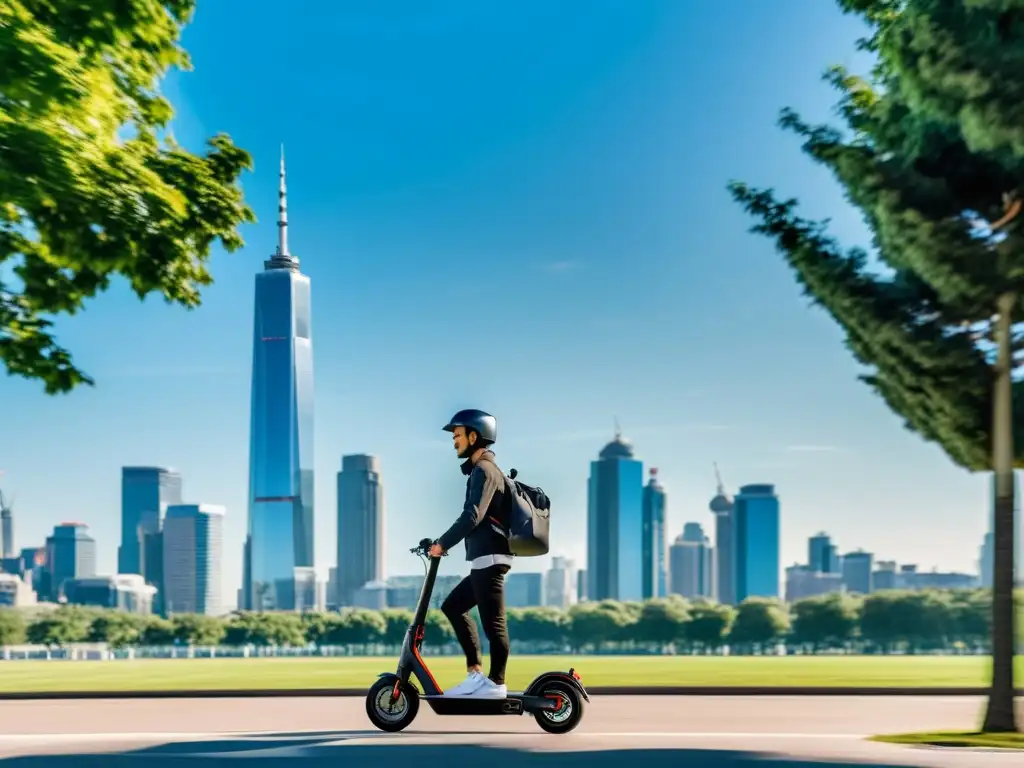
{"x":482,"y":487}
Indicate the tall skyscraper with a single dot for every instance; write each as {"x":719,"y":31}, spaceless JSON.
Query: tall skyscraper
{"x":821,"y":554}
{"x":6,"y":525}
{"x":655,"y":575}
{"x":279,"y":543}
{"x":615,"y":524}
{"x":146,"y":492}
{"x":756,"y":539}
{"x":70,"y":554}
{"x":360,"y":525}
{"x":987,"y":561}
{"x":560,"y":587}
{"x":722,"y":506}
{"x":691,"y":563}
{"x":193,"y":550}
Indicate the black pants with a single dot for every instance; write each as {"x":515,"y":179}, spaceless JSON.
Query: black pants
{"x":485,"y":589}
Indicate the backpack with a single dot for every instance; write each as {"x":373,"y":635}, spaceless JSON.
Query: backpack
{"x":528,"y":512}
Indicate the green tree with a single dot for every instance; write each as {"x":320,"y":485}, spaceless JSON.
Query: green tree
{"x":662,"y":622}
{"x":828,"y":621}
{"x":265,"y":629}
{"x":93,"y":187}
{"x":12,"y":627}
{"x":971,"y":617}
{"x":396,"y":623}
{"x":544,"y":626}
{"x":879,"y":619}
{"x":115,"y":628}
{"x":61,"y":627}
{"x":933,"y":157}
{"x":196,"y":629}
{"x":709,"y":624}
{"x":760,"y":622}
{"x":594,"y":624}
{"x":355,"y":626}
{"x":156,"y":631}
{"x":437,"y":630}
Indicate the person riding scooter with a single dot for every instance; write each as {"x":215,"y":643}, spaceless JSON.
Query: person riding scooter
{"x":487,"y":550}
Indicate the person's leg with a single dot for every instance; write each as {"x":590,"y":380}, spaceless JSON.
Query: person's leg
{"x":456,"y":608}
{"x":489,"y":586}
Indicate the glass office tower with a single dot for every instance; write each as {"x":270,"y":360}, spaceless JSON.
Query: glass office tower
{"x":280,"y":533}
{"x":756,"y":542}
{"x":615,"y":525}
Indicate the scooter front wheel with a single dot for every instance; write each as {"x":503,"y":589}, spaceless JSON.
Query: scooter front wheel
{"x":387,"y":711}
{"x":569,"y":708}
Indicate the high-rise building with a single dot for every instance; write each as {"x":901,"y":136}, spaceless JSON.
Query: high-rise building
{"x":70,"y":554}
{"x":885,"y":576}
{"x":146,"y":493}
{"x":581,"y":585}
{"x":821,"y":554}
{"x":987,"y":560}
{"x":858,"y":572}
{"x":722,"y":506}
{"x":615,"y":524}
{"x":803,"y":582}
{"x":280,"y":524}
{"x":756,"y":540}
{"x":524,"y":590}
{"x":691,"y":563}
{"x":193,"y":549}
{"x":655,"y":569}
{"x":124,"y":592}
{"x":6,"y":526}
{"x":360,"y":525}
{"x":560,"y":584}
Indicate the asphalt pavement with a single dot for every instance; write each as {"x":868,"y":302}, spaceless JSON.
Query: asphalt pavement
{"x":726,"y":732}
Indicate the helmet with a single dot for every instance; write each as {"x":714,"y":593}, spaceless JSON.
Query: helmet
{"x":485,"y":425}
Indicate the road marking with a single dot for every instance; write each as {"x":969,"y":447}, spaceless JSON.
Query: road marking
{"x":344,"y":736}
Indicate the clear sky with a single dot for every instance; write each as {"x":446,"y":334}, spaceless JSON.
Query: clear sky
{"x":518,"y":206}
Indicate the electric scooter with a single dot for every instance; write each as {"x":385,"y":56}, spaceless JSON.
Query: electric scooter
{"x":555,"y":699}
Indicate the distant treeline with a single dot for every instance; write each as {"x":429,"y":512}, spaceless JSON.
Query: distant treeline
{"x":884,"y":622}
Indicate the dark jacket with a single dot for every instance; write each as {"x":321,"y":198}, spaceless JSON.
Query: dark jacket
{"x":482,"y":521}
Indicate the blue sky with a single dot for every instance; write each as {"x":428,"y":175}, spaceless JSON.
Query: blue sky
{"x":518,"y":206}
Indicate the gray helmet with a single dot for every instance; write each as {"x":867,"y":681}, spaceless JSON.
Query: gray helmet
{"x":485,"y":425}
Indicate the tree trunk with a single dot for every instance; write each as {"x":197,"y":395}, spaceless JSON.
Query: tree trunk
{"x":1000,"y":715}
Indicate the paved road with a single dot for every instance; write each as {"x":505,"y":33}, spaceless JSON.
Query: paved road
{"x":727,"y":732}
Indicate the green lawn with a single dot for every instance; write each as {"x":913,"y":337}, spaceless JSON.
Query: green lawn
{"x":957,"y":739}
{"x":354,"y":672}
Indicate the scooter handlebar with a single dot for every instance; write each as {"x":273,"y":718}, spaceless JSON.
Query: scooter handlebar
{"x":423,"y":548}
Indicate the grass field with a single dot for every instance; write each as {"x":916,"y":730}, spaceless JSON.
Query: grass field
{"x":970,"y":739}
{"x":354,"y":672}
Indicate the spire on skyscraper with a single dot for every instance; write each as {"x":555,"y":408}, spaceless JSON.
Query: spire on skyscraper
{"x":282,"y":258}
{"x":282,"y":211}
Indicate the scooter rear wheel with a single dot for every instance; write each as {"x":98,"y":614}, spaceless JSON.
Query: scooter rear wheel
{"x":570,"y":710}
{"x":388,"y":715}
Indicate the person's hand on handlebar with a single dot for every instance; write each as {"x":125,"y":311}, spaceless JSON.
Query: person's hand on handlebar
{"x":435,"y":550}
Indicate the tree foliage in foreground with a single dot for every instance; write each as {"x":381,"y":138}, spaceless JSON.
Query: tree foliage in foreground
{"x":89,"y":187}
{"x":884,"y":622}
{"x":932,"y":156}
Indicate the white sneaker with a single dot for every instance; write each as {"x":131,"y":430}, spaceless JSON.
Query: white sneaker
{"x":490,"y":690}
{"x":473,"y":681}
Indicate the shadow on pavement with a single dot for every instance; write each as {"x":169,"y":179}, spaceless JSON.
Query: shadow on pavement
{"x":323,"y":750}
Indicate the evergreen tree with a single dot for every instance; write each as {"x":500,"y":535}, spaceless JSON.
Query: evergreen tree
{"x":933,"y":157}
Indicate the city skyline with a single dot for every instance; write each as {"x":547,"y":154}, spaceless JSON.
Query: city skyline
{"x":580,"y":180}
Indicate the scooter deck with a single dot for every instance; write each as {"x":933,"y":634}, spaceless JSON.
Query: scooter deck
{"x":514,"y":704}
